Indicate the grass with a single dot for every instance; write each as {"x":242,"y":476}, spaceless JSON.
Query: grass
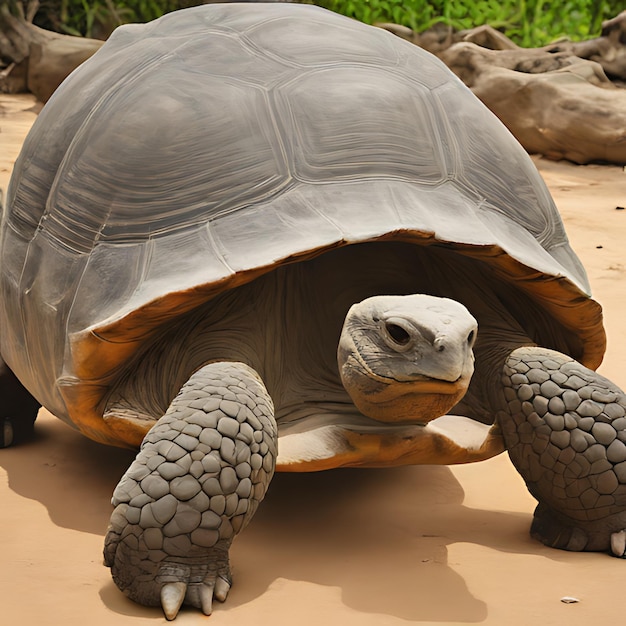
{"x":529,"y":23}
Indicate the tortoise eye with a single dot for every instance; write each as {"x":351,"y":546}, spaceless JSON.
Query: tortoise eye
{"x":398,"y":334}
{"x":470,"y":338}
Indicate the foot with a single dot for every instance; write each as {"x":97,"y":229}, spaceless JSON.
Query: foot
{"x":18,"y":409}
{"x":565,"y":428}
{"x":200,"y":474}
{"x":560,"y":531}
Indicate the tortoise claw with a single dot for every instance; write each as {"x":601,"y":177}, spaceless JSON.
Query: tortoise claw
{"x":172,"y":596}
{"x":206,"y":598}
{"x":618,"y":544}
{"x":213,"y":588}
{"x":222,"y":587}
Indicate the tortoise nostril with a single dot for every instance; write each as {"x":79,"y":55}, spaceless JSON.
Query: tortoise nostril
{"x":439,"y":344}
{"x":398,"y":334}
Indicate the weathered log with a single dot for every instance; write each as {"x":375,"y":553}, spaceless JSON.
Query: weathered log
{"x":15,"y":38}
{"x":50,"y":62}
{"x":468,"y":60}
{"x":562,"y":114}
{"x":37,"y":60}
{"x":563,"y":100}
{"x":435,"y":39}
{"x":609,"y":50}
{"x":487,"y":37}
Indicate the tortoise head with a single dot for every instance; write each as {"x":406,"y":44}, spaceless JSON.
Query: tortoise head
{"x":407,"y":358}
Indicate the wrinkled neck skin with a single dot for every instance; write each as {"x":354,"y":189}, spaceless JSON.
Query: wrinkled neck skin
{"x":287,"y":325}
{"x":491,"y":351}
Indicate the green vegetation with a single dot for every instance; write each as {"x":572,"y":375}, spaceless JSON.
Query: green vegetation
{"x":527,"y":22}
{"x":98,"y":18}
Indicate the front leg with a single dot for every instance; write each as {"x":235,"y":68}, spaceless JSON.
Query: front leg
{"x":199,"y":477}
{"x":565,"y":429}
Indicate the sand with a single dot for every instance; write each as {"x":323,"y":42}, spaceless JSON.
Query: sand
{"x":411,"y":545}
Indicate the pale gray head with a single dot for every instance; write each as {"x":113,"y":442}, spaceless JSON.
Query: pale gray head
{"x":407,"y":358}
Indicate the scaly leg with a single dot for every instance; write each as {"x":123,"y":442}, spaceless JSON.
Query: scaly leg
{"x":565,"y":428}
{"x":199,"y":477}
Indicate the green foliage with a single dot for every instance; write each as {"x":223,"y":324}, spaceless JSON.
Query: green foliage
{"x":98,"y":18}
{"x":528,"y":22}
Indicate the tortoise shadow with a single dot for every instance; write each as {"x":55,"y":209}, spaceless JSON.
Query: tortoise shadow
{"x":58,"y":460}
{"x":380,"y":536}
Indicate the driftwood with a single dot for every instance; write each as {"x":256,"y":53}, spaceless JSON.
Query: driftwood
{"x":37,"y":60}
{"x":609,"y":50}
{"x":572,"y":112}
{"x":566,"y":100}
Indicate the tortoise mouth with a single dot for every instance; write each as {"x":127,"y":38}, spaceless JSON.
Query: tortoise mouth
{"x":412,"y":399}
{"x":426,"y":384}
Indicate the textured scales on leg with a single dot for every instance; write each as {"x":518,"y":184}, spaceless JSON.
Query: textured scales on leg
{"x":565,"y":428}
{"x":199,"y":477}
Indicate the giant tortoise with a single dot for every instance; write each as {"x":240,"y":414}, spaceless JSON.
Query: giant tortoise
{"x":256,"y":237}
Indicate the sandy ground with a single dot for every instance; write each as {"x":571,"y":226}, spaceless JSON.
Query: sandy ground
{"x":414,"y":545}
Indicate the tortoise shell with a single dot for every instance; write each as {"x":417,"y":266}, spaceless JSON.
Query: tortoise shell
{"x":196,"y":153}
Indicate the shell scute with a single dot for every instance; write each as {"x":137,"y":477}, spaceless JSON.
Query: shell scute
{"x":254,"y":136}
